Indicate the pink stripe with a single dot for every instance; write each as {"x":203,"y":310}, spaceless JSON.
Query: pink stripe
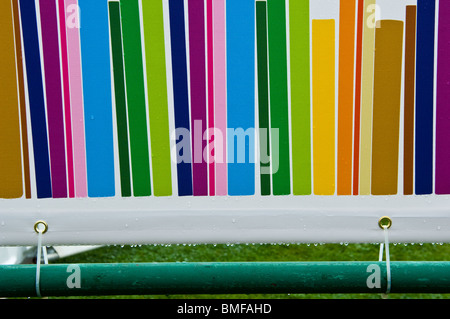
{"x":67,"y":113}
{"x":220,"y":94}
{"x":210,"y":46}
{"x":76,"y":96}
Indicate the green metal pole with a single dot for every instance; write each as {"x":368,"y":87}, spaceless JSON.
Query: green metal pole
{"x":224,"y":278}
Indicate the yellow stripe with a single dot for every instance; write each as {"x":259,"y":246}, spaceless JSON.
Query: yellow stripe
{"x":367,"y":97}
{"x":323,"y":69}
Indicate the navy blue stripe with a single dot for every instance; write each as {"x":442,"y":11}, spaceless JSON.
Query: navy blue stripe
{"x":36,"y":98}
{"x":180,"y":92}
{"x":424,"y":96}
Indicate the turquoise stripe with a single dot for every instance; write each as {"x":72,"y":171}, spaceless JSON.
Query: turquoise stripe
{"x":95,"y":58}
{"x":241,"y":96}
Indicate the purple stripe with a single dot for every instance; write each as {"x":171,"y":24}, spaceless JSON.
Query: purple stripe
{"x":443,"y":102}
{"x":49,"y":26}
{"x":198,"y":94}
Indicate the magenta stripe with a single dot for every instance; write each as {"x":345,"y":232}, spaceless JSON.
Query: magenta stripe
{"x":67,"y":111}
{"x":443,"y":102}
{"x":50,"y":43}
{"x":76,"y":97}
{"x":198,"y":95}
{"x":211,"y":139}
{"x":220,"y":96}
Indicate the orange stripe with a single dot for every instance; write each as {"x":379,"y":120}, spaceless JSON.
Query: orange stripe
{"x":345,"y":100}
{"x":11,"y":185}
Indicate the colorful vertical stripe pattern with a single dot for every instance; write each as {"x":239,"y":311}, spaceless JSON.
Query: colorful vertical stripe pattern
{"x":264,"y":98}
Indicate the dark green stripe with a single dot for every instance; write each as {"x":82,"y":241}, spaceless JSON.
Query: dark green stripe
{"x":137,"y":115}
{"x":119,"y":87}
{"x":263,"y":95}
{"x":279,"y":96}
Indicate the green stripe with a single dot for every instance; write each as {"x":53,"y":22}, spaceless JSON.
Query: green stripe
{"x":121,"y":109}
{"x":263,"y":94}
{"x":137,"y":115}
{"x":157,"y":96}
{"x":300,"y":96}
{"x":279,"y":96}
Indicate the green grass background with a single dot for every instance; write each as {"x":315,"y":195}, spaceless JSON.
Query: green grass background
{"x":264,"y":253}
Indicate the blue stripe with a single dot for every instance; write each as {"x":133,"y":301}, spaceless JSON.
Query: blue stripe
{"x":180,"y":93}
{"x":95,"y":57}
{"x":240,"y":20}
{"x":424,"y":97}
{"x":36,"y":98}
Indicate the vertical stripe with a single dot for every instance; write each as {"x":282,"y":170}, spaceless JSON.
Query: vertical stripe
{"x":240,"y":20}
{"x":365,"y":170}
{"x":95,"y":56}
{"x":345,"y":96}
{"x":443,"y":100}
{"x":424,"y":97}
{"x":263,"y":96}
{"x":53,"y":88}
{"x":36,"y":98}
{"x":279,"y":118}
{"x":121,"y":104}
{"x":157,"y":96}
{"x":135,"y":88}
{"x":300,"y":96}
{"x":358,"y":84}
{"x":198,"y":94}
{"x":67,"y":106}
{"x":11,"y":184}
{"x":22,"y":99}
{"x":181,"y":96}
{"x":76,"y":97}
{"x":220,"y":96}
{"x":409,"y":91}
{"x":323,"y":90}
{"x":211,"y":137}
{"x":386,"y":106}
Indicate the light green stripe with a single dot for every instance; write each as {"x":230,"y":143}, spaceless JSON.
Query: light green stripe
{"x":157,"y":96}
{"x":300,"y":96}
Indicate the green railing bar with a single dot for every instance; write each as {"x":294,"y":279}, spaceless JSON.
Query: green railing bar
{"x":223,"y":278}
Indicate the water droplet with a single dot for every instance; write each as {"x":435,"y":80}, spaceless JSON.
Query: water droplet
{"x":2,"y":223}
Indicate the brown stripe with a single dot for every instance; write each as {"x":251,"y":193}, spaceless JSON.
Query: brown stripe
{"x":11,"y":185}
{"x":410,"y":62}
{"x":23,"y":115}
{"x":386,"y":106}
